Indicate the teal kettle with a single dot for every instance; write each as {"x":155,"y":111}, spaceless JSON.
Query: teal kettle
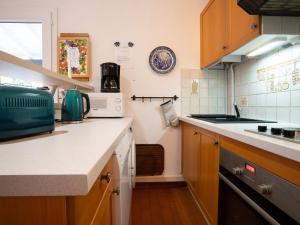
{"x":72,"y":109}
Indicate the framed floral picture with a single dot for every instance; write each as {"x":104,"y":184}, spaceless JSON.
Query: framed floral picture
{"x":73,"y":56}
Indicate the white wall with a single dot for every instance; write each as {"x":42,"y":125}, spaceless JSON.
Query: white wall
{"x":147,"y":23}
{"x":269,"y":87}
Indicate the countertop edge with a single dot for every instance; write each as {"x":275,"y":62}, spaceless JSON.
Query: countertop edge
{"x":16,"y":185}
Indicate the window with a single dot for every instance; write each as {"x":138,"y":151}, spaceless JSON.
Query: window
{"x":34,"y":22}
{"x":22,"y":39}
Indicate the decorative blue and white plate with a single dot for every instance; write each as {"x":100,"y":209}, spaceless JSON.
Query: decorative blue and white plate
{"x":162,"y":60}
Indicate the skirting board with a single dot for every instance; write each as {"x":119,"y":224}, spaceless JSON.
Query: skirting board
{"x":174,"y":178}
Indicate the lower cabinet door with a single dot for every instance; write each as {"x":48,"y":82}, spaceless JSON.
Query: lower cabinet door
{"x":190,"y":155}
{"x":208,"y":191}
{"x":104,"y":211}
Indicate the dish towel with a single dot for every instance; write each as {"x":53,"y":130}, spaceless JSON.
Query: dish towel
{"x":169,"y":114}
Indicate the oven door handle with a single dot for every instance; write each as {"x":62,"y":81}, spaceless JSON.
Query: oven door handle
{"x":256,"y":207}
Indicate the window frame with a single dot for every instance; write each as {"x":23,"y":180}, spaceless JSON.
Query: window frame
{"x":48,"y":18}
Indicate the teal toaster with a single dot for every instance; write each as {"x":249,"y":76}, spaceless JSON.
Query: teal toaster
{"x":24,"y":112}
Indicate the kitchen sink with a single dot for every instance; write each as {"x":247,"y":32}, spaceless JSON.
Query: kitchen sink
{"x":223,"y":118}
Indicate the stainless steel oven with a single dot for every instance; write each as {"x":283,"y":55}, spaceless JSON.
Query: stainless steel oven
{"x":251,"y":195}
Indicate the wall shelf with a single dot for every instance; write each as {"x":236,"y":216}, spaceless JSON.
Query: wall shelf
{"x":12,"y":66}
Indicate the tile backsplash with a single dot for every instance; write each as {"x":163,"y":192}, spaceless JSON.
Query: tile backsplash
{"x":203,"y":91}
{"x":269,"y":88}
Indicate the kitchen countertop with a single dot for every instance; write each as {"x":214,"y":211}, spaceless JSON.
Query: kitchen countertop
{"x":66,"y":162}
{"x":237,"y":132}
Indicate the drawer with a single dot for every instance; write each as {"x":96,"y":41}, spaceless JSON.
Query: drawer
{"x":82,"y":209}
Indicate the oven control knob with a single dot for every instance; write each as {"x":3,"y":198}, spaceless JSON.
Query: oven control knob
{"x":238,"y":171}
{"x":118,"y":108}
{"x":265,"y":189}
{"x":117,"y":100}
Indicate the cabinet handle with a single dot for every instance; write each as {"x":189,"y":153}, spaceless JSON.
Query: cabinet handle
{"x":116,"y":191}
{"x":106,"y":177}
{"x":215,"y":142}
{"x":253,"y":26}
{"x":224,"y":47}
{"x":195,"y":133}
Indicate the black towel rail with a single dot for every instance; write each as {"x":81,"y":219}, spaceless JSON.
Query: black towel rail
{"x":173,"y":98}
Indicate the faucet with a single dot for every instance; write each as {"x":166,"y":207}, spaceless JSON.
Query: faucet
{"x":236,"y":110}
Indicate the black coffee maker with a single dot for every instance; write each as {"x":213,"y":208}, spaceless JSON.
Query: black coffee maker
{"x":110,"y":80}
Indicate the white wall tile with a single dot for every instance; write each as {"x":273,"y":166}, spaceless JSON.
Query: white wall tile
{"x":295,"y":115}
{"x":203,"y":101}
{"x":213,"y":92}
{"x":261,"y":113}
{"x":252,"y":100}
{"x":295,"y":98}
{"x":204,"y":93}
{"x":213,"y":101}
{"x":272,"y":99}
{"x":213,"y":83}
{"x":213,"y":109}
{"x":261,"y":100}
{"x":199,"y":102}
{"x":203,"y":110}
{"x":284,"y":99}
{"x":271,"y":113}
{"x":283,"y":114}
{"x":282,"y":106}
{"x":203,"y":83}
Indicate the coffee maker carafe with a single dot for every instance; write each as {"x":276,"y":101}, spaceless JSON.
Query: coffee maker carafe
{"x":110,"y":79}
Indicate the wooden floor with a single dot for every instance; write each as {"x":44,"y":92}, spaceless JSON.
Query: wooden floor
{"x":164,"y":205}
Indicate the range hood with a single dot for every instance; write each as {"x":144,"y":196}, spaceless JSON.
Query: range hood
{"x":271,"y":7}
{"x":273,"y":28}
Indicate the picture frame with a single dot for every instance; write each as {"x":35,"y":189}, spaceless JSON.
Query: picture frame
{"x":73,"y":56}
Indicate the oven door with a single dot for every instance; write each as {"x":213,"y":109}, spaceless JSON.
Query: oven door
{"x":241,"y":205}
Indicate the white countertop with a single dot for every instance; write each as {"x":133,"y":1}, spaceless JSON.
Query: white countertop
{"x":66,"y":162}
{"x":235,"y":131}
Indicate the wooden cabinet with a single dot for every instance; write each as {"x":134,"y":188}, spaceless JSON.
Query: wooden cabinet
{"x":82,"y":209}
{"x":200,"y":165}
{"x":209,"y":179}
{"x":104,"y":211}
{"x":95,"y":208}
{"x":224,"y":28}
{"x":214,"y":29}
{"x":242,"y":26}
{"x":190,"y":156}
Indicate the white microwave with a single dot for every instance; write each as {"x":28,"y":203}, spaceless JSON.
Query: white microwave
{"x":106,"y":105}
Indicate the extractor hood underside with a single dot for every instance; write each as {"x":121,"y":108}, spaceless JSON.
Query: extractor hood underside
{"x":271,"y":7}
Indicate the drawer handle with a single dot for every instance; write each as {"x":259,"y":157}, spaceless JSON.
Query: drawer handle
{"x":106,"y":177}
{"x":215,"y":142}
{"x":116,"y":191}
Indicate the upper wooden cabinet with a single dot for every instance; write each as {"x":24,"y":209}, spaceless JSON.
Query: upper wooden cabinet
{"x":224,"y":28}
{"x":214,"y":29}
{"x":242,"y":26}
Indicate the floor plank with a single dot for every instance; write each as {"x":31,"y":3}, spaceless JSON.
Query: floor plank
{"x":167,"y":205}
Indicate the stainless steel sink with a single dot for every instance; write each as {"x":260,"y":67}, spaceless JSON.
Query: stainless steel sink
{"x":222,"y":118}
